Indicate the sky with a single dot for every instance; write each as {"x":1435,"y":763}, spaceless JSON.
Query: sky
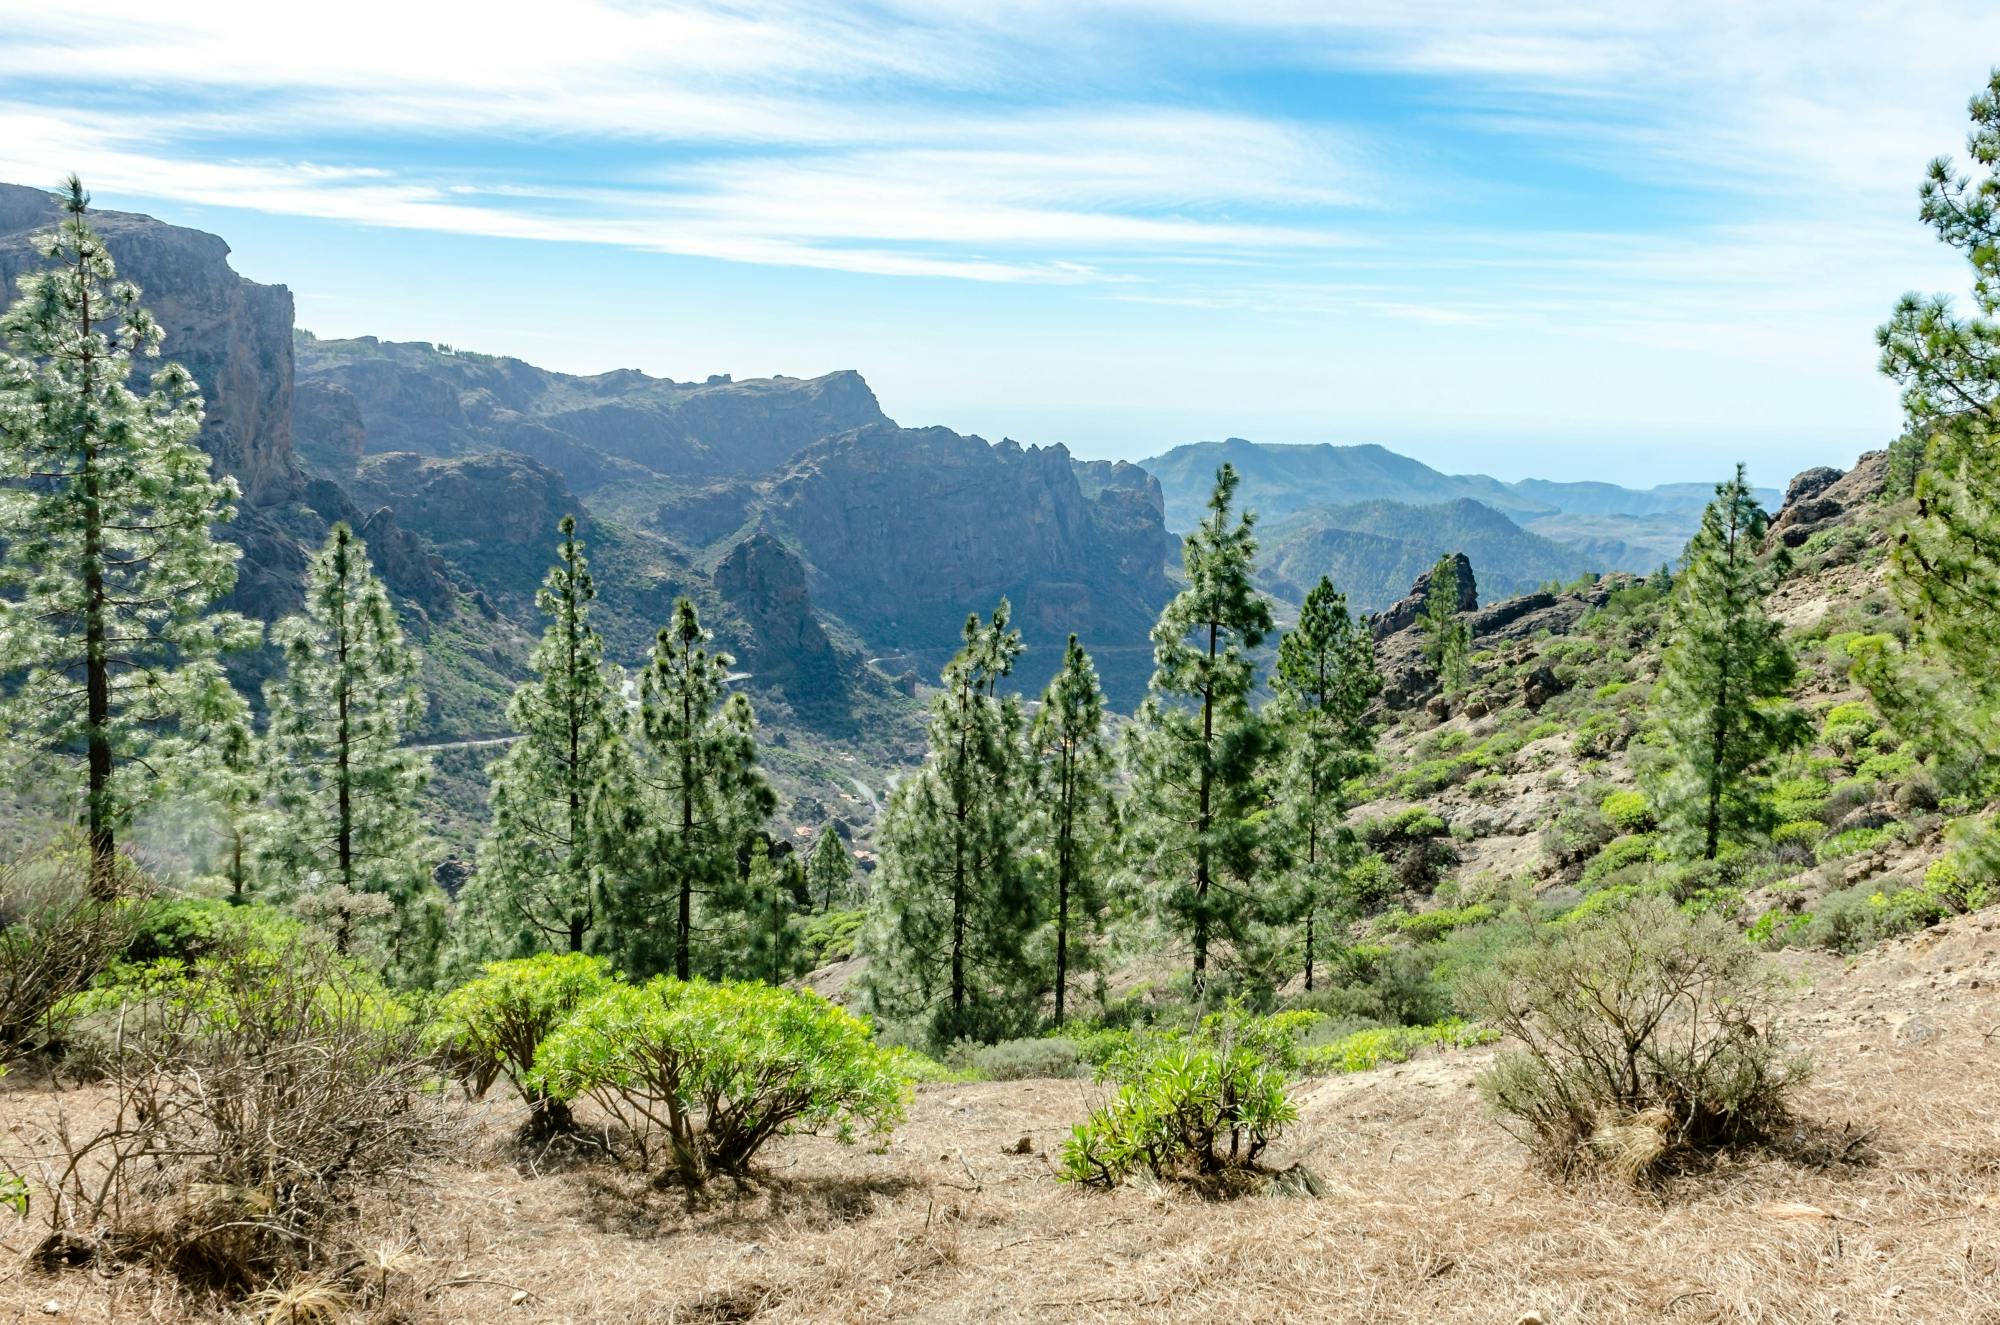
{"x":1625,"y":242}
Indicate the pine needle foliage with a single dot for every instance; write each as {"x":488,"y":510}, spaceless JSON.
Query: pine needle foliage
{"x":1447,"y":637}
{"x":954,"y":907}
{"x":1075,"y":816}
{"x":344,"y":843}
{"x":1325,"y":680}
{"x":109,"y":566}
{"x":678,"y":805}
{"x":1720,"y":706}
{"x":829,"y":870}
{"x":1197,"y":752}
{"x":536,"y":889}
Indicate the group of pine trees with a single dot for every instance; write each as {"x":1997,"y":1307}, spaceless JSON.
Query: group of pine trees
{"x":635,"y":825}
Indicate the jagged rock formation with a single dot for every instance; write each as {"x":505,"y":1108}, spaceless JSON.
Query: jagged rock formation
{"x":1825,"y":498}
{"x":327,"y":428}
{"x":1403,"y":613}
{"x":233,"y":334}
{"x":594,"y":430}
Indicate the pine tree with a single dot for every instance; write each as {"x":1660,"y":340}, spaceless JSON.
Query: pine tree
{"x":766,"y":906}
{"x":1075,"y":816}
{"x":1721,"y":712}
{"x":953,"y":907}
{"x":1197,"y":752}
{"x":1447,"y":639}
{"x":677,"y":810}
{"x":225,"y":775}
{"x":538,"y":866}
{"x":829,"y":870}
{"x":345,"y":842}
{"x":1945,"y":567}
{"x":1325,"y":679}
{"x":109,"y":565}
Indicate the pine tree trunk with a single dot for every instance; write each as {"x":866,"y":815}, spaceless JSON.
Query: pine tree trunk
{"x":342,"y":775}
{"x":96,"y":666}
{"x":684,"y":924}
{"x":1201,"y":866}
{"x":1064,"y":859}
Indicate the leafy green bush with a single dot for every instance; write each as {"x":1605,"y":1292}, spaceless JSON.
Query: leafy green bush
{"x":1856,"y":919}
{"x":1645,"y":1036}
{"x":1807,"y":831}
{"x":1430,"y":926}
{"x":1023,"y":1060}
{"x":1855,"y":841}
{"x":1627,"y":811}
{"x":1887,"y":766}
{"x":1187,"y":1105}
{"x":1793,"y":799}
{"x":710,"y":1072}
{"x":495,"y":1023}
{"x":1847,"y":726}
{"x":831,"y":936}
{"x":1576,"y":833}
{"x":1413,"y":824}
{"x":1599,"y":734}
{"x":1957,"y":885}
{"x":1363,"y":1050}
{"x":191,"y":928}
{"x":1623,"y":853}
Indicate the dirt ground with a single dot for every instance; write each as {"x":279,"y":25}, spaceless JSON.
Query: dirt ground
{"x":1887,"y":1209}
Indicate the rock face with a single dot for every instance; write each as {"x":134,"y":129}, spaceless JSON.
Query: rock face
{"x":1825,"y":498}
{"x":788,"y":649}
{"x":436,"y":402}
{"x":327,"y":427}
{"x":908,"y":529}
{"x":234,"y":335}
{"x":1403,"y":613}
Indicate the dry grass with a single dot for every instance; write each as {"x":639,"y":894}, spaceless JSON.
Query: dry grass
{"x":1889,"y":1211}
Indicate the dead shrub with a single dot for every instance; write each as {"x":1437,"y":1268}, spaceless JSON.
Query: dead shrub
{"x":55,"y":938}
{"x":254,"y":1095}
{"x":1643,"y":1037}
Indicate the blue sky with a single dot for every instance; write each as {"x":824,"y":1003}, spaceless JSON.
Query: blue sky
{"x":1564,"y":240}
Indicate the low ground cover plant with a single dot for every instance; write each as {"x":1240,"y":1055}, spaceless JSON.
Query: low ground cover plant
{"x":699,"y":1076}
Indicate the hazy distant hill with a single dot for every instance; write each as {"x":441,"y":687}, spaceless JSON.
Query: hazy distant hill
{"x":1283,"y":480}
{"x":1374,"y":550}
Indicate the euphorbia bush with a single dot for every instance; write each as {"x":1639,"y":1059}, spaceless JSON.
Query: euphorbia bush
{"x":496,"y":1023}
{"x":1188,"y":1104}
{"x":704,"y":1074}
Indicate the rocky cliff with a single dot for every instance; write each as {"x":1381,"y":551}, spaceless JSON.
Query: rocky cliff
{"x":233,"y":334}
{"x":436,"y":401}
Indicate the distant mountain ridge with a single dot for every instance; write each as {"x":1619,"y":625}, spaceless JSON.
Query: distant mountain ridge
{"x":1279,"y":480}
{"x":1374,"y":550}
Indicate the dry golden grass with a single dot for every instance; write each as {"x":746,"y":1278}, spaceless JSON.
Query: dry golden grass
{"x":1886,"y":1208}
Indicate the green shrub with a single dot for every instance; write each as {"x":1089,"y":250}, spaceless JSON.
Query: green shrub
{"x":1627,"y":811}
{"x":1794,"y":799}
{"x":55,"y":939}
{"x":1855,"y":841}
{"x":1633,"y":849}
{"x":1430,"y":926}
{"x":1808,"y":831}
{"x":831,"y":936}
{"x":1645,"y":1036}
{"x":1955,"y":885}
{"x":1888,"y":766}
{"x":495,"y":1023}
{"x":1846,"y":726}
{"x":1187,"y":1106}
{"x":1363,"y":1050}
{"x":1599,"y":734}
{"x":1576,"y":833}
{"x":1026,"y":1060}
{"x":1856,"y":919}
{"x":1411,"y":825}
{"x":710,"y":1072}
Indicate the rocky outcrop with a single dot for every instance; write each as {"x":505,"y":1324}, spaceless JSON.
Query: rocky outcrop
{"x":787,"y":648}
{"x":234,"y":335}
{"x":497,"y":498}
{"x":1403,"y":613}
{"x":1825,"y":498}
{"x":327,"y":428}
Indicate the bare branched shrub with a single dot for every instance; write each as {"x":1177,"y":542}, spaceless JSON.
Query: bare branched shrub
{"x":255,"y":1094}
{"x":55,"y":938}
{"x":1644,"y":1037}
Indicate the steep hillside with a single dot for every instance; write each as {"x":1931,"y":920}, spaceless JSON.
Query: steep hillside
{"x":1374,"y":550}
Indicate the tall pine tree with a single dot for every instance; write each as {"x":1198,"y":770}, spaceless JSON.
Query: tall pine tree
{"x":1325,"y":679}
{"x":344,"y":841}
{"x":1720,"y":703}
{"x":1074,"y":813}
{"x":678,"y":805}
{"x":953,"y":908}
{"x":1197,"y":752}
{"x":1447,"y":638}
{"x":1945,"y":566}
{"x":829,"y":870}
{"x":538,"y":866}
{"x":108,"y":563}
